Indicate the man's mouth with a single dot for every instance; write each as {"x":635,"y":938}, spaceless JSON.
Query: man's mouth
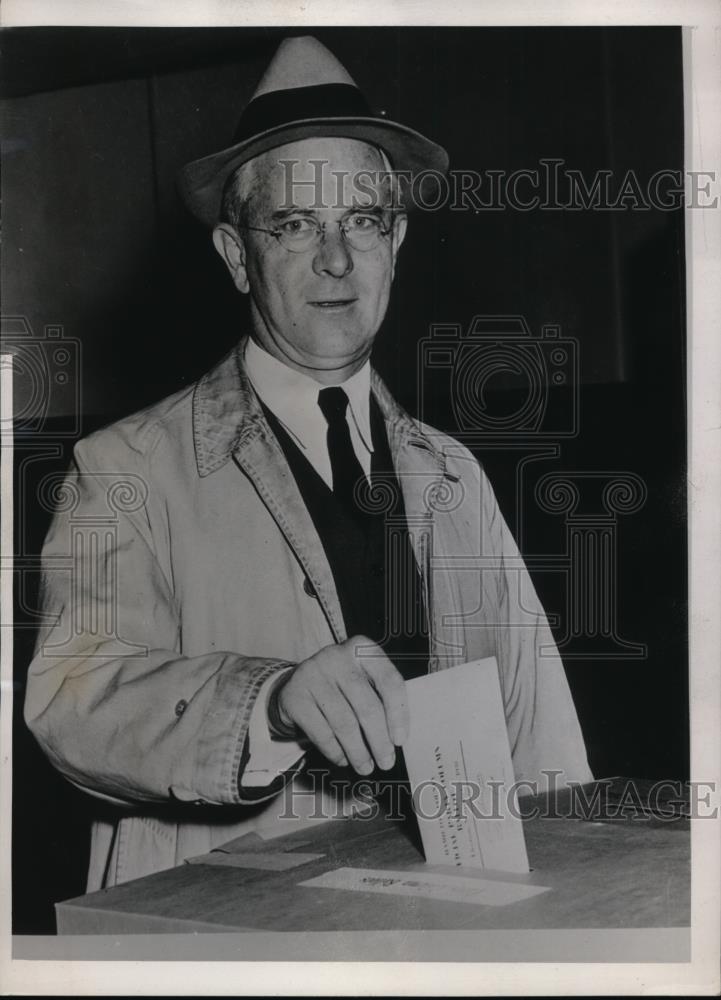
{"x":331,"y":303}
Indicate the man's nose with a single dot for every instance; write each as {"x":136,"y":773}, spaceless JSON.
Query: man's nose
{"x":332,"y":256}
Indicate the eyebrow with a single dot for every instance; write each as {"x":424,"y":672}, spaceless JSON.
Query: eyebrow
{"x":284,"y":213}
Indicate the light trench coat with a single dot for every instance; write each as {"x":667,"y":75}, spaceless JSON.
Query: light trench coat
{"x":182,"y":569}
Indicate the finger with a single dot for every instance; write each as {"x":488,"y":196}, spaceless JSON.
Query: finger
{"x":391,"y":689}
{"x":345,"y":727}
{"x":370,"y":713}
{"x":313,"y":723}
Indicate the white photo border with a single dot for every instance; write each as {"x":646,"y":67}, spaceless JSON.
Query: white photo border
{"x":701,"y":20}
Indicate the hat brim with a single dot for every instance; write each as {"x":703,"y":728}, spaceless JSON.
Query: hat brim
{"x":201,"y":182}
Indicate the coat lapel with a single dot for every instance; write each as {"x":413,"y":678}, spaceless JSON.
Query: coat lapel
{"x":263,"y":461}
{"x":229,"y":425}
{"x":427,"y":486}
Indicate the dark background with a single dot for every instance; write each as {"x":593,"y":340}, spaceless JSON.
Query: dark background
{"x":96,"y":123}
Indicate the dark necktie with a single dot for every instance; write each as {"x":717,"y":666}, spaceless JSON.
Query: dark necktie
{"x":344,"y":463}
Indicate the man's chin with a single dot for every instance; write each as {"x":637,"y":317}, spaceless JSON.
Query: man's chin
{"x":344,"y":366}
{"x":338,"y":349}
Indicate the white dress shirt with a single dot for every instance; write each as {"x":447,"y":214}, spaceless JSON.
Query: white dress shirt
{"x":293,"y":398}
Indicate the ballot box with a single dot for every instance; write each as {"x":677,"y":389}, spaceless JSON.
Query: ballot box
{"x":624,"y":864}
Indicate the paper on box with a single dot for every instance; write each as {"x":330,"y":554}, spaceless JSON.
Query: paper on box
{"x":459,"y":764}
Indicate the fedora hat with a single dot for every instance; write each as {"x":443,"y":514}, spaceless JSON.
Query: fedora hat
{"x":304,"y":93}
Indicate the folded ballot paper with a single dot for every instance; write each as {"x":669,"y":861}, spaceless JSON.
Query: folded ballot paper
{"x":459,"y":764}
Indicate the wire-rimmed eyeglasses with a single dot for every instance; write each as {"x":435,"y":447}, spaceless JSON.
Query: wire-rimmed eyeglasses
{"x":299,"y":233}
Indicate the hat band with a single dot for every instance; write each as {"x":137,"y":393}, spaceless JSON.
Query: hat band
{"x":280,"y":107}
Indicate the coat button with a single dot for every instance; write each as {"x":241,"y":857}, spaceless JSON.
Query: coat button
{"x":181,"y":707}
{"x":308,"y":587}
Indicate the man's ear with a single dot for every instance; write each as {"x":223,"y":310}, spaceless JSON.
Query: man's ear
{"x":231,"y":248}
{"x":400,"y":224}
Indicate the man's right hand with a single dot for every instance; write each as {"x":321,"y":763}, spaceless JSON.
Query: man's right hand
{"x":352,"y":707}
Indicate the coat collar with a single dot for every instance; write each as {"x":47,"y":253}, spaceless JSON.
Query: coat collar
{"x":227,"y":414}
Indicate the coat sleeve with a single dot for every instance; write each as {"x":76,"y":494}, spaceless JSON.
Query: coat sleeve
{"x":543,"y":727}
{"x":115,"y":706}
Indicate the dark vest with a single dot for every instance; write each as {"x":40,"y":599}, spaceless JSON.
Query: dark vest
{"x":369,"y":551}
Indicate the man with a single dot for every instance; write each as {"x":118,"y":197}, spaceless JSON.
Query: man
{"x":241,"y":549}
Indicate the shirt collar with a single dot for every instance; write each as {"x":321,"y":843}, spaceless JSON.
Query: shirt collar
{"x":227,"y":417}
{"x":293,"y":396}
